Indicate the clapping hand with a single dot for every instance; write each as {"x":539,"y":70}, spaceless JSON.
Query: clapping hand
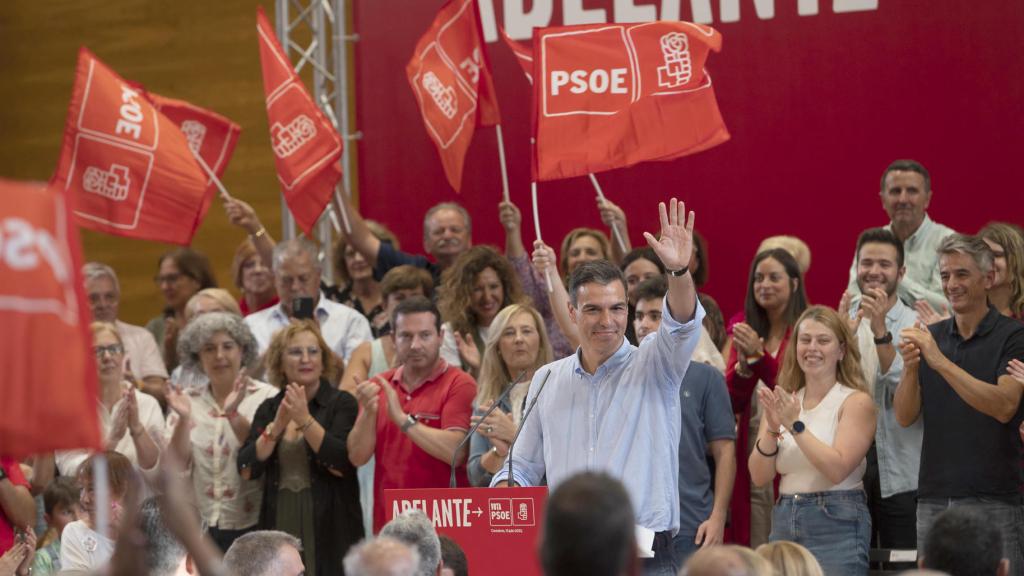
{"x":178,"y":401}
{"x":929,"y":315}
{"x":747,"y":341}
{"x":238,"y":392}
{"x":919,"y":336}
{"x":368,"y":395}
{"x":845,"y":303}
{"x":498,"y":425}
{"x":675,"y":246}
{"x":769,"y":408}
{"x":468,"y":351}
{"x":295,"y":404}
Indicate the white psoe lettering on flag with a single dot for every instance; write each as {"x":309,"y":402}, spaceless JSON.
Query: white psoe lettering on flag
{"x":594,"y":81}
{"x":443,"y":96}
{"x":111,"y":184}
{"x":285,"y":140}
{"x":675,"y":46}
{"x":130,"y":122}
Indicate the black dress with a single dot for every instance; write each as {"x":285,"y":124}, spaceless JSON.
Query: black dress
{"x":338,"y":519}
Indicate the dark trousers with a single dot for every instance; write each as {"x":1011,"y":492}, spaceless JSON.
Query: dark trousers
{"x":894,"y":519}
{"x":224,"y":538}
{"x":664,"y":561}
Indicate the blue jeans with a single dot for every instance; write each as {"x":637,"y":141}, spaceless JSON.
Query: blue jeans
{"x":835,"y":526}
{"x":683,"y":547}
{"x":1006,"y":516}
{"x":664,"y":561}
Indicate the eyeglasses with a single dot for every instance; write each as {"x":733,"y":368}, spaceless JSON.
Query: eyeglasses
{"x":299,"y":352}
{"x":167,"y":278}
{"x":112,"y":349}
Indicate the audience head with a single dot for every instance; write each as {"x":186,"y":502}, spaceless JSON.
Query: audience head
{"x":382,"y":556}
{"x":965,"y":267}
{"x":714,"y":321}
{"x":790,"y":559}
{"x":119,"y":476}
{"x":906,"y":193}
{"x":447,"y":232}
{"x":164,"y":554}
{"x":416,"y":329}
{"x":218,"y":344}
{"x":250,"y":273}
{"x":180,"y":274}
{"x":963,"y":542}
{"x":404,"y":281}
{"x":796,"y":247}
{"x":453,"y":558}
{"x":699,"y":260}
{"x":415,"y":529}
{"x":597,"y":298}
{"x":726,"y":560}
{"x":879,"y":260}
{"x":639,"y":265}
{"x":517,"y":341}
{"x":1007,"y":244}
{"x":349,"y":263}
{"x":298,"y":354}
{"x":60,"y":503}
{"x":211,"y":300}
{"x":583,"y":245}
{"x":775,"y":285}
{"x":589,"y":528}
{"x":265,"y":553}
{"x":296,"y":271}
{"x":109,"y":350}
{"x":476,"y":287}
{"x":647,"y":314}
{"x":103,"y":291}
{"x":821,"y":345}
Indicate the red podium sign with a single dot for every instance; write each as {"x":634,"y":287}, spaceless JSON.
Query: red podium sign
{"x":499,"y":528}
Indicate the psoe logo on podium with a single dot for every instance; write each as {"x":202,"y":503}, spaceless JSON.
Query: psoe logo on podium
{"x":510,"y":512}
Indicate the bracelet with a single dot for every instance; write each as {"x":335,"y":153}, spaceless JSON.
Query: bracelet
{"x":678,"y":273}
{"x":266,"y":433}
{"x":257,"y":234}
{"x":775,"y":433}
{"x":308,"y":423}
{"x":757,"y":446}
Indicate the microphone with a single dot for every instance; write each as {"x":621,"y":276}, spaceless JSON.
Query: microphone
{"x":504,"y":395}
{"x":511,"y":479}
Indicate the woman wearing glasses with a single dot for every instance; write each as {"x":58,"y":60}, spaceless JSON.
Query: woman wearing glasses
{"x":131,"y":420}
{"x":298,"y":440}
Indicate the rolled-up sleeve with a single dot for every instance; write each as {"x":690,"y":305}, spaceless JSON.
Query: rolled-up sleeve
{"x":666,"y":355}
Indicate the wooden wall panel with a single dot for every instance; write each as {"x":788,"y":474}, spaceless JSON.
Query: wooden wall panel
{"x":203,"y":52}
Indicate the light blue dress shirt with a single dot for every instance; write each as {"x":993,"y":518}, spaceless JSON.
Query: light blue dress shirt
{"x":623,"y":420}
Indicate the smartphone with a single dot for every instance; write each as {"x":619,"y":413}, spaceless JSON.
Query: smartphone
{"x":302,"y":308}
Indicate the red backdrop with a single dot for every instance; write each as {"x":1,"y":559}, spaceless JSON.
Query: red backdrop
{"x":817,"y":106}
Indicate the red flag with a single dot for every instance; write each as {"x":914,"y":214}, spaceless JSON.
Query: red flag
{"x":46,"y":362}
{"x":307,"y":148}
{"x":522,"y":52}
{"x":613,"y":95}
{"x":451,"y":80}
{"x":210,"y":135}
{"x":129,"y":167}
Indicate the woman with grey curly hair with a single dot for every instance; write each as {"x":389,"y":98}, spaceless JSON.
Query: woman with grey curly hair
{"x":211,"y":423}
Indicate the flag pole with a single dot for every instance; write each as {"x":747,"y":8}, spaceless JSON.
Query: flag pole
{"x":339,"y":207}
{"x":501,"y":160}
{"x":220,"y":186}
{"x":615,"y":226}
{"x":536,"y":228}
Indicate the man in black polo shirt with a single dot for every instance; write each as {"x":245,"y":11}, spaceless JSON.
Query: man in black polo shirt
{"x":955,"y":377}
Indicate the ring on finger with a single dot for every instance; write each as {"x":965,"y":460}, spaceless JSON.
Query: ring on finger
{"x":490,"y":429}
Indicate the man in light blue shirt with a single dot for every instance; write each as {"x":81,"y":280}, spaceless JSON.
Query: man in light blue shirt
{"x":895,"y":458}
{"x":906,"y":194}
{"x":613,"y":407}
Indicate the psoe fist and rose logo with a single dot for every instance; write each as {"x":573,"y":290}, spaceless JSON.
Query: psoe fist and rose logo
{"x":510,"y":512}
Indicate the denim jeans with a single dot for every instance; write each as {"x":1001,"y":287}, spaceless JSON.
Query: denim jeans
{"x":664,"y":561}
{"x":835,"y":526}
{"x":1008,"y":517}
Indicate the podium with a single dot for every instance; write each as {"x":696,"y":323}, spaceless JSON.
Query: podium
{"x":498,"y":528}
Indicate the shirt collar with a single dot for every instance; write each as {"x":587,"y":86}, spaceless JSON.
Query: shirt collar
{"x":988,"y":322}
{"x":612,"y":361}
{"x":439,"y":369}
{"x":921,"y":231}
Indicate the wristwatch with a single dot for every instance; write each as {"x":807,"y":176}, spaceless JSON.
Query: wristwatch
{"x":678,"y":273}
{"x":887,"y":339}
{"x":410,"y":421}
{"x":798,"y":427}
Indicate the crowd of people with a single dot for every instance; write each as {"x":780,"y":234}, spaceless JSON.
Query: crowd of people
{"x":786,"y":438}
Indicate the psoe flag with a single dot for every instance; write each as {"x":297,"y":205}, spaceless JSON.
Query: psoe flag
{"x":128,"y":166}
{"x":47,"y":365}
{"x":451,"y":81}
{"x":307,"y":148}
{"x":210,"y":135}
{"x":608,"y":96}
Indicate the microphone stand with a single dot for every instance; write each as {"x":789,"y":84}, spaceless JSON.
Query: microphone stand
{"x":475,"y":427}
{"x":529,"y":409}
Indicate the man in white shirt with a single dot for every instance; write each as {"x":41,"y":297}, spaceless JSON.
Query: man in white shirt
{"x":906,"y":194}
{"x":104,"y":294}
{"x":297,"y":275}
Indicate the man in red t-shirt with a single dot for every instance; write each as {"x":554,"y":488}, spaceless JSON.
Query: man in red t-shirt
{"x":17,"y":508}
{"x":424,"y":411}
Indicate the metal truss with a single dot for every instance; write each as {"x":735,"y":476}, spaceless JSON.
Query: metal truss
{"x":314,"y":34}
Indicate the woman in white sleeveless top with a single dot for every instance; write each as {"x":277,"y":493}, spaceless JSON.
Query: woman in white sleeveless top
{"x":817,"y":428}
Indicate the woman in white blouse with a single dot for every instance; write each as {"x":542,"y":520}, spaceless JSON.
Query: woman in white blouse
{"x":817,"y":427}
{"x":131,"y":420}
{"x":83,"y":548}
{"x":211,"y":422}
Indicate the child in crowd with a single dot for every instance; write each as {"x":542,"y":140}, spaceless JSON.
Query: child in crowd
{"x":60,"y":502}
